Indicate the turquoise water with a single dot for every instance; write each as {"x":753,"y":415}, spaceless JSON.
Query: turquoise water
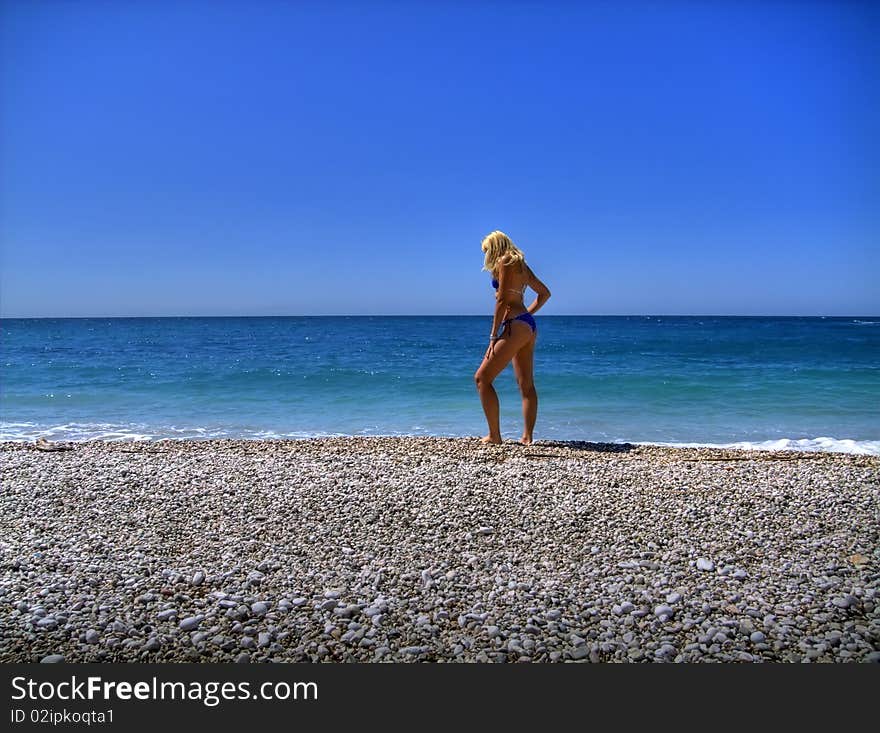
{"x":770,"y":382}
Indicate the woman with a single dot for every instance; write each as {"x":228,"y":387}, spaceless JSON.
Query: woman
{"x":510,"y":277}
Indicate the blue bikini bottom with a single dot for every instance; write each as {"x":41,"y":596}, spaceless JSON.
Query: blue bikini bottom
{"x":525,"y":318}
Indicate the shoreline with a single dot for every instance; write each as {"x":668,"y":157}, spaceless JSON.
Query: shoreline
{"x":558,"y":448}
{"x":824,"y":445}
{"x":436,"y":549}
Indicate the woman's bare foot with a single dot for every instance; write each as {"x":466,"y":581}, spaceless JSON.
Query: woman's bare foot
{"x":491,"y":439}
{"x":525,"y":440}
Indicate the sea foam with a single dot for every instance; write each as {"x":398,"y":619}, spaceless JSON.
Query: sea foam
{"x":822,"y":444}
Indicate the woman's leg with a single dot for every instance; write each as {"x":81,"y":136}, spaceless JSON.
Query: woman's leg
{"x":523,"y":368}
{"x":516,"y":336}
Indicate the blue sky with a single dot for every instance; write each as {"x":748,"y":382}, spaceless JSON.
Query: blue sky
{"x":263,"y":158}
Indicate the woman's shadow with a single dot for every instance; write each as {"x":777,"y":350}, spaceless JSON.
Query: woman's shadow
{"x":582,"y":445}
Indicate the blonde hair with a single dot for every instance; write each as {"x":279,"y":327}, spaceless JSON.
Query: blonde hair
{"x":500,"y":249}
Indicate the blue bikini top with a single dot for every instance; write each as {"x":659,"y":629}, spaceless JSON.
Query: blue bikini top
{"x":512,"y":290}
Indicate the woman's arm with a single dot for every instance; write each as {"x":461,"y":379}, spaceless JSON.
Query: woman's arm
{"x":497,"y":316}
{"x":499,"y":304}
{"x":542,"y":290}
{"x":504,"y":272}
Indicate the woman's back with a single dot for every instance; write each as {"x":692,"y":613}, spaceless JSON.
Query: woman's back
{"x":515,"y":279}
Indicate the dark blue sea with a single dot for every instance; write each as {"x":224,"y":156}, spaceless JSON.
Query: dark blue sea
{"x":808,"y":383}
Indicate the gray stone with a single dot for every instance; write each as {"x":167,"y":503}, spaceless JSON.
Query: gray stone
{"x":191,"y":623}
{"x":260,"y":608}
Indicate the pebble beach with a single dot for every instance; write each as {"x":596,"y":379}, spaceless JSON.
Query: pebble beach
{"x":436,"y":550}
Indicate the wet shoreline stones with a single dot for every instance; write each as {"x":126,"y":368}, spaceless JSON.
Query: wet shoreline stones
{"x":436,"y":549}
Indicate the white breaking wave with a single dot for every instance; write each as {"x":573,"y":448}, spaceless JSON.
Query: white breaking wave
{"x":17,"y":432}
{"x":78,"y":432}
{"x":823,"y":445}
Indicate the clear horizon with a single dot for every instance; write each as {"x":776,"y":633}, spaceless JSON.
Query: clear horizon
{"x":270,"y":159}
{"x":452,"y":315}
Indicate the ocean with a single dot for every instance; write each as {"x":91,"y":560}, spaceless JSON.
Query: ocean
{"x":805,"y":383}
